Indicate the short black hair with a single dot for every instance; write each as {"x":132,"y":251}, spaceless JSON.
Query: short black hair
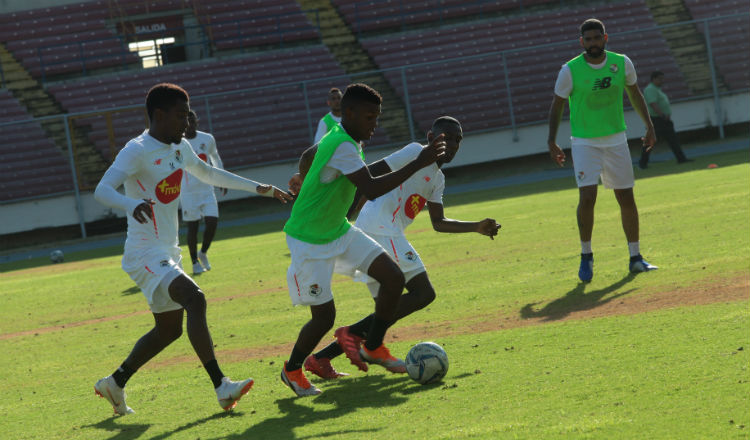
{"x":592,"y":24}
{"x":334,"y":90}
{"x":164,"y":96}
{"x":444,"y":121}
{"x":656,"y":74}
{"x":356,"y":93}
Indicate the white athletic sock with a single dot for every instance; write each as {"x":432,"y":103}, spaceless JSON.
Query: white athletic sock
{"x":634,"y":248}
{"x":586,"y":247}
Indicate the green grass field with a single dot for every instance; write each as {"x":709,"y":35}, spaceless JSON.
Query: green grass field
{"x":534,"y":353}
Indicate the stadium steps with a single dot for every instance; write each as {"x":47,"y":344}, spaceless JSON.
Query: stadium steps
{"x":346,"y":49}
{"x":38,"y":103}
{"x":687,"y":45}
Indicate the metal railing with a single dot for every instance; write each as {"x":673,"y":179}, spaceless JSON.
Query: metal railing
{"x":400,"y":79}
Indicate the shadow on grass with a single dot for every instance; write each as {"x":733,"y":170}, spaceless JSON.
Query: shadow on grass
{"x":131,"y":290}
{"x":221,"y":415}
{"x":338,"y":399}
{"x":576,"y":300}
{"x":120,"y":431}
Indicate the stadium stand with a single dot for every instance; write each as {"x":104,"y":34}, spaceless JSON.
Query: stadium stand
{"x":373,"y":15}
{"x":729,"y":38}
{"x":250,"y":127}
{"x":64,"y":39}
{"x":32,"y":165}
{"x":241,"y":23}
{"x":474,"y":90}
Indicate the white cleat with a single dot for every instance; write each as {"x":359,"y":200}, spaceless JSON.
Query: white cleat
{"x":197,"y":268}
{"x":108,"y":389}
{"x":297,"y":381}
{"x":204,"y":260}
{"x":229,"y":393}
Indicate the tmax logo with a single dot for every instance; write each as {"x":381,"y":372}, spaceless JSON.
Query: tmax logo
{"x":168,"y":189}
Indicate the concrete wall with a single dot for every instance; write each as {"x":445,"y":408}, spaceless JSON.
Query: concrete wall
{"x":61,"y":211}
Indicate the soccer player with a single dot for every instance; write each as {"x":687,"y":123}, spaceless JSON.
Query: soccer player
{"x":593,"y":83}
{"x":197,"y":198}
{"x":320,"y":238}
{"x":385,"y":219}
{"x":151,"y":168}
{"x":331,"y":118}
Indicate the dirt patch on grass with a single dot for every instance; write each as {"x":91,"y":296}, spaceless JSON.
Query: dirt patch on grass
{"x":576,"y":305}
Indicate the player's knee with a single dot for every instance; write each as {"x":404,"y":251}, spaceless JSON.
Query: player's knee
{"x":426,"y":296}
{"x":195,"y":303}
{"x":393,"y":284}
{"x":167,"y":335}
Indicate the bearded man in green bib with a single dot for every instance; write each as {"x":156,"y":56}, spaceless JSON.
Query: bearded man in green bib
{"x":321,"y":240}
{"x":593,"y":84}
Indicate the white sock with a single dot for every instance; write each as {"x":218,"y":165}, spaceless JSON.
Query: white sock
{"x":634,"y":248}
{"x":586,"y":247}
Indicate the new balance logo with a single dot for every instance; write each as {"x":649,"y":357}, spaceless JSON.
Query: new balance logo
{"x":602,"y":83}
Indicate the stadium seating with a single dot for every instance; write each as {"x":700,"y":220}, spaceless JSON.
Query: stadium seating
{"x":32,"y":165}
{"x":82,"y":36}
{"x":262,"y":125}
{"x":372,"y":15}
{"x":475,"y":89}
{"x":241,"y":23}
{"x":64,"y":39}
{"x":730,"y":37}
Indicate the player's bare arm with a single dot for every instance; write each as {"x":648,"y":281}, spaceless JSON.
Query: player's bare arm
{"x":374,"y":187}
{"x":488,"y":226}
{"x":555,"y":115}
{"x":640,"y":106}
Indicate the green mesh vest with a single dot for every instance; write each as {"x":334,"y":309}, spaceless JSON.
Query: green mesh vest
{"x":329,"y":121}
{"x":319,"y":213}
{"x":596,"y":98}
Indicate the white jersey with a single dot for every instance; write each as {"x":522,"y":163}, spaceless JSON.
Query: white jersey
{"x":204,"y":146}
{"x":391,"y":213}
{"x":150,"y":169}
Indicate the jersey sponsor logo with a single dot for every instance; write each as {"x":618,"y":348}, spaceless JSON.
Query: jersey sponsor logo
{"x":602,"y":83}
{"x":414,"y":204}
{"x":315,"y":290}
{"x":168,"y":189}
{"x":203,"y":157}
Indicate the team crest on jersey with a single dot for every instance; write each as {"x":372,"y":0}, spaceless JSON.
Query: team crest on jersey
{"x":315,"y":290}
{"x":580,"y":175}
{"x":168,"y":189}
{"x":411,"y":256}
{"x":177,"y":156}
{"x":613,"y":68}
{"x":413,"y":205}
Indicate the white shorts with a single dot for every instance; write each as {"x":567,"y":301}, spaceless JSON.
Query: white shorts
{"x":309,"y":275}
{"x":153,"y":270}
{"x":612,"y":164}
{"x":198,"y":205}
{"x":407,"y":258}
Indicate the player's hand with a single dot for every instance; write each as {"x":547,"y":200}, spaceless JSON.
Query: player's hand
{"x":144,"y":211}
{"x":650,"y":139}
{"x":295,"y":184}
{"x":488,"y":227}
{"x":556,"y":153}
{"x":278,"y":194}
{"x":433,"y":152}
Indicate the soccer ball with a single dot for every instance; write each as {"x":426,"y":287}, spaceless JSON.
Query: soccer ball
{"x":427,"y":362}
{"x":56,"y":256}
